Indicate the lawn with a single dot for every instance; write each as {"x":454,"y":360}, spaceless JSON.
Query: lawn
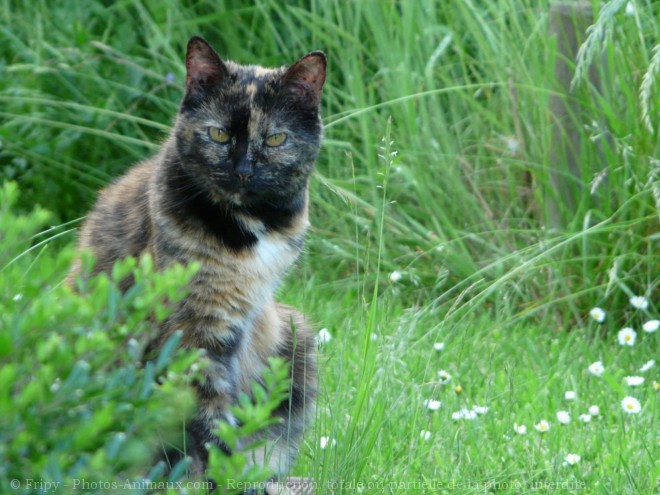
{"x":469,"y":212}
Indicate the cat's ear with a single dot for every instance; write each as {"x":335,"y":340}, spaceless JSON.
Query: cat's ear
{"x":204,"y":68}
{"x":305,"y":78}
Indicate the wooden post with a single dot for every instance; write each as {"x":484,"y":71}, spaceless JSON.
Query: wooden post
{"x":568,"y":23}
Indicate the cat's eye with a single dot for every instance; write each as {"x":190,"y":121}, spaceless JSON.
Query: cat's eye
{"x":276,"y":139}
{"x":218,"y":135}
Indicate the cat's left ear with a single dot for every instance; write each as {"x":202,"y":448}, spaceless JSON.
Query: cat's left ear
{"x":204,"y":68}
{"x":305,"y":78}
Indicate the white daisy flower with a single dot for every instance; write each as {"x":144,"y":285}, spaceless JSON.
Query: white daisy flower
{"x":512,"y":144}
{"x":480,"y":409}
{"x":432,"y":405}
{"x":563,"y":417}
{"x":647,"y":366}
{"x":634,"y":381}
{"x":327,"y":442}
{"x":585,"y":418}
{"x":594,"y":410}
{"x":542,"y":426}
{"x":597,"y":314}
{"x":639,"y":302}
{"x":627,"y":336}
{"x":651,"y":326}
{"x":571,"y":459}
{"x":439,"y":346}
{"x":425,"y":435}
{"x":395,"y":276}
{"x":520,"y":429}
{"x":631,"y":405}
{"x":468,"y":414}
{"x":464,"y":413}
{"x":597,"y":368}
{"x":323,"y":337}
{"x":570,"y":395}
{"x":444,"y":376}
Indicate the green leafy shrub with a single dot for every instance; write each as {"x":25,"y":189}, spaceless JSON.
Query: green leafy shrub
{"x":253,"y":414}
{"x":89,"y":90}
{"x":77,"y":401}
{"x":78,"y":404}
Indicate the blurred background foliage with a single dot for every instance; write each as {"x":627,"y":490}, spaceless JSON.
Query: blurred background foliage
{"x":447,"y":161}
{"x":87,"y":89}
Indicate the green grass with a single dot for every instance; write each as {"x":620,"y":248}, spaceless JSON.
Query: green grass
{"x":437,"y":164}
{"x":520,"y":373}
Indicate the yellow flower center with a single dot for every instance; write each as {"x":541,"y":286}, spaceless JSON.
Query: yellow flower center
{"x":627,"y":338}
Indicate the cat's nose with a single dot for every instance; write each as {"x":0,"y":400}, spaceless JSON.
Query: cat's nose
{"x":244,"y":170}
{"x":244,"y":177}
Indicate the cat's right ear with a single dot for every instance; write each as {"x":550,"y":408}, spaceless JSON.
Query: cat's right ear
{"x":305,"y":78}
{"x":204,"y":68}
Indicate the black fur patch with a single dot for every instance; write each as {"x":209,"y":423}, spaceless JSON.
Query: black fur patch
{"x":201,"y":435}
{"x":227,"y":344}
{"x":296,"y":351}
{"x":189,"y":201}
{"x":277,"y":217}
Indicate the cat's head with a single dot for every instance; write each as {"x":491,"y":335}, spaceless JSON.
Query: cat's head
{"x":249,"y":135}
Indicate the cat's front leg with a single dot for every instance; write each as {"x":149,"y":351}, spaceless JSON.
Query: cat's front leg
{"x":220,"y":339}
{"x":279,"y":443}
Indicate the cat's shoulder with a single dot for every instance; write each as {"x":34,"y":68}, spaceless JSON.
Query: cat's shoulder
{"x":135,"y":179}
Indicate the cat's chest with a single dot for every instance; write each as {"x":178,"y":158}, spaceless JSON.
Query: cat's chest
{"x":269,"y":258}
{"x":235,"y":285}
{"x":273,"y":252}
{"x":230,"y":282}
{"x":250,"y":274}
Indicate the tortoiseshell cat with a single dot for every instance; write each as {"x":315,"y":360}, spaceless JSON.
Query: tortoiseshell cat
{"x":229,"y":190}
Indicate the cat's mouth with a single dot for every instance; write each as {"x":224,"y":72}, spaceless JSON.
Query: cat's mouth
{"x":236,"y":198}
{"x":236,"y":194}
{"x":245,"y":193}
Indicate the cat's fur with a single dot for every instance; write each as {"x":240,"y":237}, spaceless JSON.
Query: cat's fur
{"x":240,"y":209}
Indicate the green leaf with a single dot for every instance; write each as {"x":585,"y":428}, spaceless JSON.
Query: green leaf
{"x":148,"y":380}
{"x":179,"y":470}
{"x":6,"y":345}
{"x":167,"y":351}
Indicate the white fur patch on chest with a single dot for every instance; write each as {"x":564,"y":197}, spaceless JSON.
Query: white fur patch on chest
{"x":272,"y":255}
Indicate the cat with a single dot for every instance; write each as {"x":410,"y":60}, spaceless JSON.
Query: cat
{"x":229,"y":189}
